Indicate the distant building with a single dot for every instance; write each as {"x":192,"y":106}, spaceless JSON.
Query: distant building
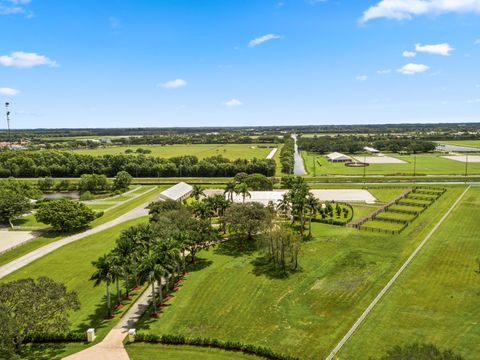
{"x":371,"y":150}
{"x":177,"y":192}
{"x":338,"y":157}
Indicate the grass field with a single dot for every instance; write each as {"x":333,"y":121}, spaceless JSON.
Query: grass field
{"x":71,"y":265}
{"x":473,"y":143}
{"x":141,"y":351}
{"x":428,"y":164}
{"x":234,"y":297}
{"x":436,"y":299}
{"x":230,"y":151}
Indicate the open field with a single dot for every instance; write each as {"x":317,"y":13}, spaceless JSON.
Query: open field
{"x":472,"y":143}
{"x":436,"y":299}
{"x":426,"y":164}
{"x":230,"y":151}
{"x":142,"y":351}
{"x":235,"y":297}
{"x":71,"y":265}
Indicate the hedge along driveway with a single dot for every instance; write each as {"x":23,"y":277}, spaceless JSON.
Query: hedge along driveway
{"x":72,"y":265}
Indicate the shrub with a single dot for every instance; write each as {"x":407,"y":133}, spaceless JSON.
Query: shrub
{"x":86,"y":196}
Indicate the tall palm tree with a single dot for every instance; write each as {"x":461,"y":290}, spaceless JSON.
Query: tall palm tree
{"x":313,"y":205}
{"x":242,"y":189}
{"x":117,"y":273}
{"x":230,"y":190}
{"x":203,"y":210}
{"x":151,"y":270}
{"x":198,"y":191}
{"x":103,"y":273}
{"x":284,"y":205}
{"x":125,"y":250}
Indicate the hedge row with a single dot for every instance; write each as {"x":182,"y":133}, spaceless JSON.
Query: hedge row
{"x":213,"y":343}
{"x":57,"y":337}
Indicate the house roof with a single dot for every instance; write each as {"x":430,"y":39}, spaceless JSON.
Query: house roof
{"x":338,"y":156}
{"x":370,"y":149}
{"x":177,"y":191}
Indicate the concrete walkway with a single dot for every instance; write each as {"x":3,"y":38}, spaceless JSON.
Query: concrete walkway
{"x":380,"y":295}
{"x":38,"y":253}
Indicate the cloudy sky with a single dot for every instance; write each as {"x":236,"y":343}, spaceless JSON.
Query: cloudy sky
{"x":119,"y":63}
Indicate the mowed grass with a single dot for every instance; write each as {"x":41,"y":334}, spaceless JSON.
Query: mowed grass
{"x":142,"y":351}
{"x":429,"y":164}
{"x":473,"y":143}
{"x":229,"y":151}
{"x":437,"y":298}
{"x":234,"y":297}
{"x":72,"y":266}
{"x":386,"y":194}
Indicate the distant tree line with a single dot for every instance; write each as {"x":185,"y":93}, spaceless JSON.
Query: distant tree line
{"x":355,"y":144}
{"x":287,"y":156}
{"x":64,"y":164}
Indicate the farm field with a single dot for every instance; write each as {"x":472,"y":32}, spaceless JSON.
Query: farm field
{"x":342,"y":270}
{"x":426,"y":164}
{"x":446,"y":313}
{"x":71,"y":265}
{"x":473,"y":143}
{"x":230,"y":151}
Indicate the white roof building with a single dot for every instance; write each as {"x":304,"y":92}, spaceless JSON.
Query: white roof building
{"x":338,"y":157}
{"x":179,"y":191}
{"x":371,"y":150}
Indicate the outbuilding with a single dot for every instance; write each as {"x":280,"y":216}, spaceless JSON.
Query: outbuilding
{"x":371,"y":150}
{"x":177,"y":192}
{"x":338,"y":157}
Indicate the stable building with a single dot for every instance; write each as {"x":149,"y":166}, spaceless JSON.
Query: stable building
{"x":338,"y":157}
{"x":178,"y":192}
{"x":371,"y":150}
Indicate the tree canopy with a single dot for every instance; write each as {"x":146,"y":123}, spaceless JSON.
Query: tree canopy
{"x":64,"y":215}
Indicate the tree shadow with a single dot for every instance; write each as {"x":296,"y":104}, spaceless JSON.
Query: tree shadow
{"x":236,"y":247}
{"x":47,"y":351}
{"x":262,"y":266}
{"x":199,"y":264}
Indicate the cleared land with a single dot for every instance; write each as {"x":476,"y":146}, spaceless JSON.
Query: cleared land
{"x":426,"y":164}
{"x":464,"y":158}
{"x":235,"y":297}
{"x":473,"y":143}
{"x":379,"y":160}
{"x":10,"y":239}
{"x":436,"y":298}
{"x":230,"y":151}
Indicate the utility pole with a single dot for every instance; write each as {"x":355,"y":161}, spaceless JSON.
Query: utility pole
{"x":414,"y":165}
{"x":7,"y":111}
{"x":314,"y":166}
{"x":364,"y":170}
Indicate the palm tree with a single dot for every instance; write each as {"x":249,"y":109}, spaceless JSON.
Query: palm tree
{"x":117,"y":273}
{"x":124,"y":251}
{"x":313,"y":205}
{"x":230,"y":190}
{"x":242,"y":189}
{"x":103,"y":273}
{"x":283,"y":204}
{"x":203,"y":210}
{"x":151,"y":270}
{"x":198,"y":191}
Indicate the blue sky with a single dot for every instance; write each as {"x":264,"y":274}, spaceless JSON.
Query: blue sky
{"x":239,"y":62}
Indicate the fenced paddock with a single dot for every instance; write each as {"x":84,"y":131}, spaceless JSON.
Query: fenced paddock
{"x":379,"y":160}
{"x":464,"y":158}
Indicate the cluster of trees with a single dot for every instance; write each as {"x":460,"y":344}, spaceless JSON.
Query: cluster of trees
{"x":354,"y":144}
{"x":15,"y":199}
{"x":418,"y":351}
{"x":65,"y":215}
{"x":287,"y":156}
{"x":30,"y":308}
{"x":64,"y":164}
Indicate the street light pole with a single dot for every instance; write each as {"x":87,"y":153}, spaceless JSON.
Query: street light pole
{"x":7,"y":111}
{"x":466,"y":167}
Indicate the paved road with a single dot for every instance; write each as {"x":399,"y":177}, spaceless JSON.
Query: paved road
{"x":38,"y":253}
{"x":392,"y":280}
{"x":298,"y":166}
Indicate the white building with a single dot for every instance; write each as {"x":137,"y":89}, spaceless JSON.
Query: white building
{"x":338,"y":157}
{"x":177,"y":192}
{"x":371,"y":150}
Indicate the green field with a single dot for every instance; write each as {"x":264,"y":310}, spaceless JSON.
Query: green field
{"x":229,"y":151}
{"x":342,"y":269}
{"x":473,"y":143}
{"x":142,"y":351}
{"x":426,"y":164}
{"x":436,"y":299}
{"x":72,"y":266}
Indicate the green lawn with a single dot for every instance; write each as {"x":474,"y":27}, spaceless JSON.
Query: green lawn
{"x":71,"y":265}
{"x":342,"y":269}
{"x":142,"y":351}
{"x":437,"y":297}
{"x":386,"y":194}
{"x":429,"y":164}
{"x":230,"y":151}
{"x":360,"y":211}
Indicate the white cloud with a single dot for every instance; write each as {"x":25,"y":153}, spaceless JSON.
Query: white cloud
{"x":361,"y":77}
{"x":409,"y":54}
{"x":174,"y":84}
{"x":233,"y":103}
{"x":473,"y":101}
{"x":23,"y":60}
{"x":384,"y":72}
{"x":8,"y":91}
{"x":262,"y":39}
{"x":14,"y":7}
{"x":437,"y":49}
{"x":411,"y":69}
{"x":407,"y":9}
{"x":476,"y":42}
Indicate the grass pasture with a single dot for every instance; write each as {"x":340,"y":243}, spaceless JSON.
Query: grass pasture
{"x":229,"y":151}
{"x":235,"y":297}
{"x":472,"y":143}
{"x":436,"y":298}
{"x":429,"y":164}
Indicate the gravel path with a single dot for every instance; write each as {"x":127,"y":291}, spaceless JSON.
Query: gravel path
{"x":392,"y":280}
